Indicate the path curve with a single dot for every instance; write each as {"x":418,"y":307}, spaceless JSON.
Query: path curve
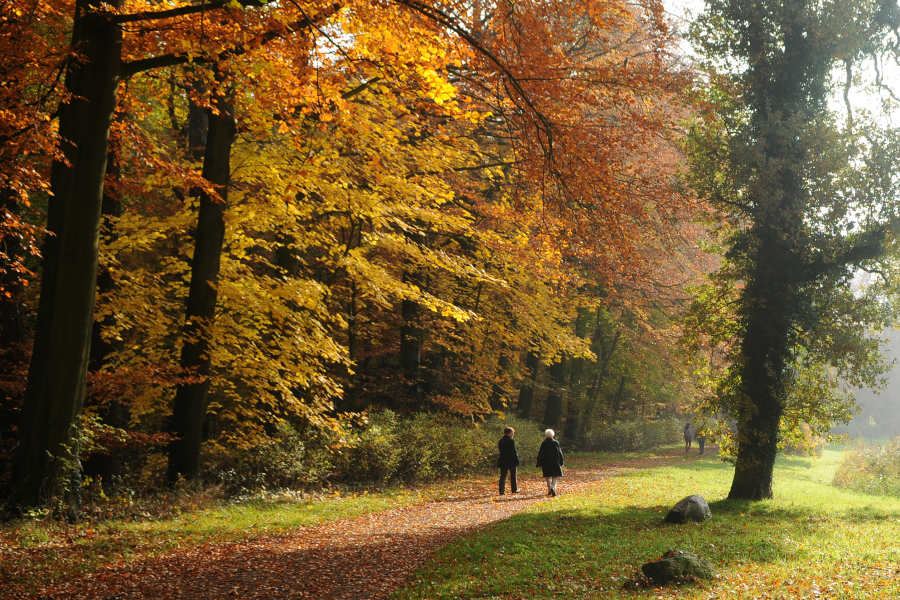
{"x":364,"y":558}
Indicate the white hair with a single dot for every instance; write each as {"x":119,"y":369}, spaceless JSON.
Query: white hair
{"x":549,"y":433}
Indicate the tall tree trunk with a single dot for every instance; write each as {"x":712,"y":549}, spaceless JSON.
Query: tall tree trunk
{"x":526,"y":391}
{"x":785,"y":94}
{"x":411,"y":342}
{"x":350,"y":391}
{"x":496,"y":399}
{"x":113,"y":413}
{"x":617,"y":399}
{"x":605,"y":355}
{"x":189,"y":406}
{"x":58,"y":371}
{"x":553,"y":409}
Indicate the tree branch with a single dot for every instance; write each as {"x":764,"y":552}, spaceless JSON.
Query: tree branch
{"x":182,"y":11}
{"x":170,"y":60}
{"x":438,"y":16}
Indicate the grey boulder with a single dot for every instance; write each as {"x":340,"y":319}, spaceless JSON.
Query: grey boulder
{"x":692,"y":508}
{"x":677,"y":565}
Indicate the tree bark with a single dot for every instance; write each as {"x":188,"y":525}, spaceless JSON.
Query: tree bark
{"x":113,"y":412}
{"x":189,"y":406}
{"x":605,"y":355}
{"x":617,"y":399}
{"x":496,"y":399}
{"x":553,"y":408}
{"x":411,"y":340}
{"x":526,"y":392}
{"x":785,"y":94}
{"x":58,"y":370}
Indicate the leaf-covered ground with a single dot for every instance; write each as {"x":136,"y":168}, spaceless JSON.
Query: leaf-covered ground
{"x":366,"y":556}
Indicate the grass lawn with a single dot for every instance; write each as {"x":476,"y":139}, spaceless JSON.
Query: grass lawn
{"x":812,"y":541}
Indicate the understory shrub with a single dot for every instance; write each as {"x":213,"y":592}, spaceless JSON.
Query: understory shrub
{"x":871,"y":469}
{"x":424,"y":447}
{"x":388,"y":447}
{"x":631,"y":436}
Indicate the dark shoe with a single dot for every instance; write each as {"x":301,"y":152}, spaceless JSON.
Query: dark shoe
{"x":553,"y":492}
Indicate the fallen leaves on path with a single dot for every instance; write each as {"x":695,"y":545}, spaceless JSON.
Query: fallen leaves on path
{"x":362,"y":558}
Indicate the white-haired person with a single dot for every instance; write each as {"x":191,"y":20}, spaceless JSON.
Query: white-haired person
{"x":550,"y":460}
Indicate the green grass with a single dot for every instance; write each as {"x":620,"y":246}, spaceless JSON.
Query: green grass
{"x":812,"y":541}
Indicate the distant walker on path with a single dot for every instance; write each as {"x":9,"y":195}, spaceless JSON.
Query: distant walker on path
{"x":701,"y":440}
{"x":688,"y":437}
{"x":550,"y":460}
{"x":508,"y":461}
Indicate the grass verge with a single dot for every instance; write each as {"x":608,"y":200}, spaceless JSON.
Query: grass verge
{"x":812,"y":541}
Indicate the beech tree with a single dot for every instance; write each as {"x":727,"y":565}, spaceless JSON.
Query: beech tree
{"x":412,"y":197}
{"x":805,"y":200}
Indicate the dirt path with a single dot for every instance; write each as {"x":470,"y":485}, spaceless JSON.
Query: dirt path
{"x":362,"y":558}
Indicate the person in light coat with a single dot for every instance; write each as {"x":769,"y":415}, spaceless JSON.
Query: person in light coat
{"x":550,"y":460}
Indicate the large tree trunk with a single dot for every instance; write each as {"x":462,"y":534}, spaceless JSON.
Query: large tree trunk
{"x":617,"y":399}
{"x":496,"y":398}
{"x":526,"y":392}
{"x":783,"y":95}
{"x":553,"y":408}
{"x":56,"y":378}
{"x":411,"y":334}
{"x":113,"y":412}
{"x":605,"y":354}
{"x":189,"y":406}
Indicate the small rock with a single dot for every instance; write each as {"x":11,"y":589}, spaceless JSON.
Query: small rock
{"x":677,"y":565}
{"x":692,"y":508}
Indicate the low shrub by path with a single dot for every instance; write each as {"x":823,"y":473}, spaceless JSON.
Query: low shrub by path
{"x":812,"y":541}
{"x":873,"y":469}
{"x":363,"y":557}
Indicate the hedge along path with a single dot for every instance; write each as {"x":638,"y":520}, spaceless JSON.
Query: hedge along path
{"x":366,"y":557}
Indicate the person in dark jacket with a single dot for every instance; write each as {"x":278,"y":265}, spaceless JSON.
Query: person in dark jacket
{"x":550,"y":460}
{"x":508,"y":461}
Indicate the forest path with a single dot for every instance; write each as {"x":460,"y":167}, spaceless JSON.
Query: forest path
{"x":366,"y":557}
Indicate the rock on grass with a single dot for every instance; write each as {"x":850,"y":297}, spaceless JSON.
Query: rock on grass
{"x":692,"y":508}
{"x":678,"y":565}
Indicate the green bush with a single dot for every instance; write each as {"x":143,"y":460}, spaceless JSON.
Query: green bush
{"x":289,"y":459}
{"x":375,"y":452}
{"x":871,"y":469}
{"x":388,"y":447}
{"x":529,"y":436}
{"x":631,"y":436}
{"x":427,"y":447}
